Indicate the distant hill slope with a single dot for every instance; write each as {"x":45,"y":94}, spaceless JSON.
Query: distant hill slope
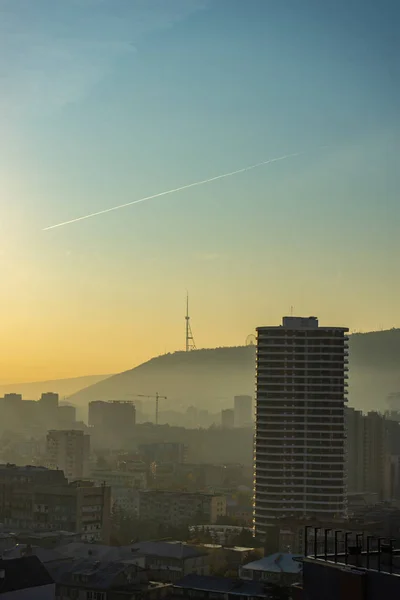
{"x":200,"y":377}
{"x":210,"y":378}
{"x":64,"y":387}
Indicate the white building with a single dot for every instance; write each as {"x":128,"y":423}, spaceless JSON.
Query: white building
{"x":68,"y":450}
{"x":124,"y":487}
{"x":300,"y":432}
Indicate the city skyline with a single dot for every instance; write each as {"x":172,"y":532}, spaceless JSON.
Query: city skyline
{"x":105,"y":102}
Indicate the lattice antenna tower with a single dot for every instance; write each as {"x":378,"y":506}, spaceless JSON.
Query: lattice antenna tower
{"x":190,"y":344}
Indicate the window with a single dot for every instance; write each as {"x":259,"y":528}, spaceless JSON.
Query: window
{"x":95,"y":595}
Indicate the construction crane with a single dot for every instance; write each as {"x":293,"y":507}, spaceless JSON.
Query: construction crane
{"x":157,"y":397}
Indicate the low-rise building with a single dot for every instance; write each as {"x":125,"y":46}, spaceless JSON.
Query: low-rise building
{"x":96,"y":580}
{"x":80,"y":506}
{"x":124,"y":487}
{"x":162,"y":561}
{"x":280,"y":569}
{"x":25,"y":578}
{"x":170,"y":561}
{"x":40,"y":499}
{"x":180,"y":508}
{"x":221,"y":534}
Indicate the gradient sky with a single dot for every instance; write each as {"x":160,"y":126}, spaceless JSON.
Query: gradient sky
{"x":106,"y":101}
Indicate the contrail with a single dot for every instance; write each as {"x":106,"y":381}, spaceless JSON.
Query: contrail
{"x":178,"y":189}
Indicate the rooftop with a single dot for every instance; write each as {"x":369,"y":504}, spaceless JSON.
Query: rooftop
{"x":301,"y":323}
{"x":103,"y":552}
{"x":276,"y":563}
{"x":178,"y":550}
{"x":23,"y":573}
{"x":94,"y":574}
{"x":223,"y":585}
{"x":45,"y":555}
{"x":178,"y":493}
{"x":24,"y":469}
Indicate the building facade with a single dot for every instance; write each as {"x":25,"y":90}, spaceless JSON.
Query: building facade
{"x":299,"y":453}
{"x":243,"y":410}
{"x":40,"y":499}
{"x":227,"y":418}
{"x":124,"y":487}
{"x":180,"y":508}
{"x":80,"y":507}
{"x":112,"y":420}
{"x":370,"y":464}
{"x":68,"y":450}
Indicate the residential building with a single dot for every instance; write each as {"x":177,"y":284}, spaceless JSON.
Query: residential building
{"x":221,"y":534}
{"x":377,"y":456}
{"x":80,"y":506}
{"x":46,"y":539}
{"x":35,"y":498}
{"x":66,"y":416}
{"x":111,"y":419}
{"x":227,"y":418}
{"x":101,"y":552}
{"x":163,"y":561}
{"x":355,"y":444}
{"x":180,"y":508}
{"x":25,"y":578}
{"x":243,"y":411}
{"x":170,"y":561}
{"x":68,"y":450}
{"x":91,"y":579}
{"x":370,"y":467}
{"x":300,"y":433}
{"x":124,"y":487}
{"x":282,"y":569}
{"x":115,"y":478}
{"x":50,"y":400}
{"x":17,"y":485}
{"x":45,"y":555}
{"x":12,"y":412}
{"x":19,"y":476}
{"x":163,"y":452}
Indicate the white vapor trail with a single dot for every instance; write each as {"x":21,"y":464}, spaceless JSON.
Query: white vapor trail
{"x":178,"y":189}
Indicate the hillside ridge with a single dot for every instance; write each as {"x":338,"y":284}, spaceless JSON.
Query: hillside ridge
{"x":200,"y":377}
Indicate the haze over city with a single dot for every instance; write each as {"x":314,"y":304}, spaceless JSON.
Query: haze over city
{"x":200,"y":330}
{"x":105,"y":102}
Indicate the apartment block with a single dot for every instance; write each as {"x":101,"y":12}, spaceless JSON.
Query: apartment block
{"x":243,"y":410}
{"x":299,"y":453}
{"x":36,"y":498}
{"x":369,"y":461}
{"x":180,"y":508}
{"x":68,"y":450}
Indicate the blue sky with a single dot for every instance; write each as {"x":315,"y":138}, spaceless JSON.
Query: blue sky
{"x":106,"y":101}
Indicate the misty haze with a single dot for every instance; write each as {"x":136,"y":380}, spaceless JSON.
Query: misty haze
{"x":200,"y":334}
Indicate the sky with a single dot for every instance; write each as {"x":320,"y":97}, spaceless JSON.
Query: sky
{"x":103,"y":102}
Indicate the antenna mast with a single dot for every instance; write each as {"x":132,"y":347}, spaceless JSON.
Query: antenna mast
{"x":190,"y":345}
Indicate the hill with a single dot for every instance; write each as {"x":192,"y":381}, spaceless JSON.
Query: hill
{"x":210,"y":378}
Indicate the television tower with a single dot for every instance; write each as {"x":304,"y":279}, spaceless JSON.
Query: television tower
{"x":190,"y":345}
